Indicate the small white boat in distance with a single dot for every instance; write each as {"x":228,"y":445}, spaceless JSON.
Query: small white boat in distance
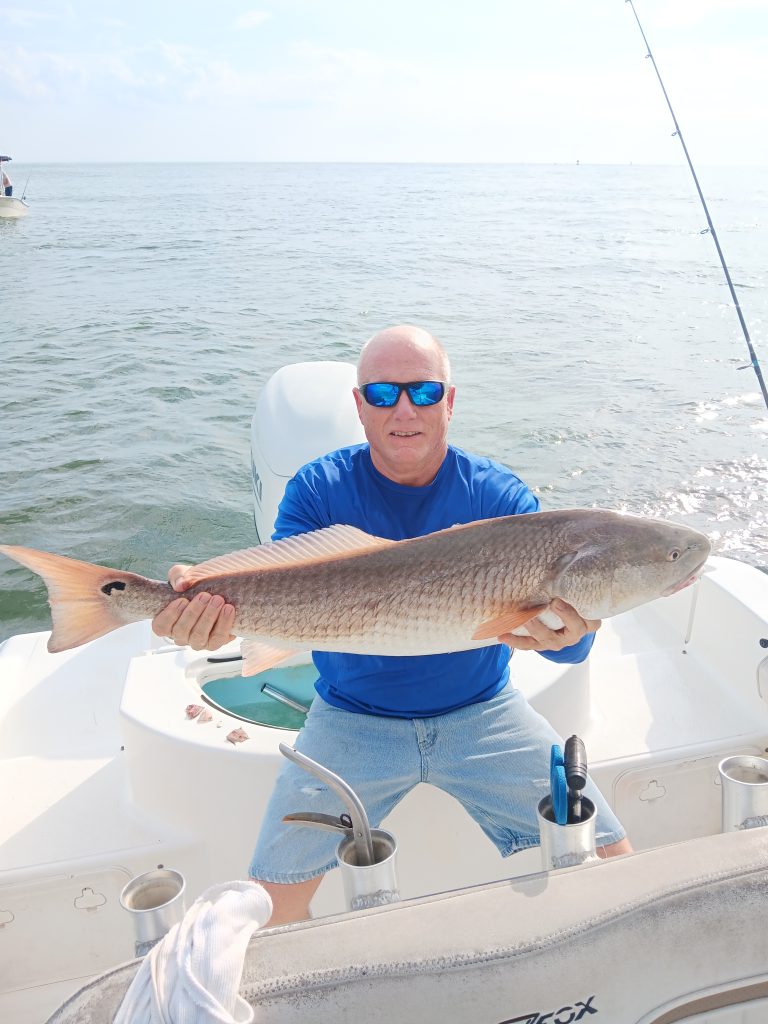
{"x":12,"y":208}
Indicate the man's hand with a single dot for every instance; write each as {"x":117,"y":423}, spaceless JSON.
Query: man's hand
{"x":544,"y":639}
{"x":204,"y":623}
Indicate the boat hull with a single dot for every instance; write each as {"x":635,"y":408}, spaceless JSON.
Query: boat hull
{"x":638,"y":939}
{"x":12,"y":208}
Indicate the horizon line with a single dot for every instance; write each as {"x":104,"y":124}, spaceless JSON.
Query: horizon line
{"x":385,"y":163}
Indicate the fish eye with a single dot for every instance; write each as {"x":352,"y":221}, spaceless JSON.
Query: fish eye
{"x":673,"y":555}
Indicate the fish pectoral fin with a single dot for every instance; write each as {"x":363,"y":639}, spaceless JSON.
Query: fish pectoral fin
{"x":259,"y":656}
{"x":324,"y":545}
{"x":506,"y":622}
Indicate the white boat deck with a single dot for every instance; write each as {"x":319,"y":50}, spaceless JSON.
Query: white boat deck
{"x":642,"y":698}
{"x":115,"y":779}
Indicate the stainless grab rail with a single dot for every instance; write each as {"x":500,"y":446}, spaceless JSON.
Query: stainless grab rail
{"x":361,"y":829}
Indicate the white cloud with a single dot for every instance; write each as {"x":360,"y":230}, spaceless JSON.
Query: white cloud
{"x":25,"y":72}
{"x":252,"y":19}
{"x":23,"y":18}
{"x":157,"y":67}
{"x":178,"y":55}
{"x":683,"y":13}
{"x":323,"y":102}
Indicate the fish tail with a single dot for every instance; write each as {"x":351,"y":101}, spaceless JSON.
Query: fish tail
{"x":79,"y":595}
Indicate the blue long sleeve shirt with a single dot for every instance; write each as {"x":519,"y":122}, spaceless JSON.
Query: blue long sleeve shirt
{"x":345,"y":487}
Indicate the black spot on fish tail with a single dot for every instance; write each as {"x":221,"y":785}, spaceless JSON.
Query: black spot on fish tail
{"x":109,"y":587}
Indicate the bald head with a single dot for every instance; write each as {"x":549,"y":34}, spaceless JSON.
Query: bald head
{"x":401,"y":345}
{"x":408,"y":442}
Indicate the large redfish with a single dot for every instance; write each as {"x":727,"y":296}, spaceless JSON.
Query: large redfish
{"x":340,"y":589}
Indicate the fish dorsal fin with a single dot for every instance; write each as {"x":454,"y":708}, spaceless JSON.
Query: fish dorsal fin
{"x":318,"y":546}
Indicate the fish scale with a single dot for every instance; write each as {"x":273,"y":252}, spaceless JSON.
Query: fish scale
{"x":340,"y":589}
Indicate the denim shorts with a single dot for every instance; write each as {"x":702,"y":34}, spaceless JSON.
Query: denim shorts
{"x":493,"y":757}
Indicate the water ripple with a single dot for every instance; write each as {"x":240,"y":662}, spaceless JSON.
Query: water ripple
{"x":590,"y":335}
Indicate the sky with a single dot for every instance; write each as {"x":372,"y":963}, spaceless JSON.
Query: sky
{"x":534,"y":81}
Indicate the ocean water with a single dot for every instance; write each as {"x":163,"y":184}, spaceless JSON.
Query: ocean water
{"x":593,"y":342}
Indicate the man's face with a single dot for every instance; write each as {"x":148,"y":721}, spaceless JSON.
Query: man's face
{"x":408,"y":442}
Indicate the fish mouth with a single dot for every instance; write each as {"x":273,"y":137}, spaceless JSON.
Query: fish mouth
{"x":676,"y":587}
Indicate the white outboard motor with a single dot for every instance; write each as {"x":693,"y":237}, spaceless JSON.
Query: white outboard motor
{"x":304,"y":410}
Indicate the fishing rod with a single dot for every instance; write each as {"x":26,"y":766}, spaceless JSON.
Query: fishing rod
{"x":753,"y":360}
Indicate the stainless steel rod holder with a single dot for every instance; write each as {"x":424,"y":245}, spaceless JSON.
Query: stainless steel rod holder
{"x":566,"y":846}
{"x":155,"y":901}
{"x":744,"y":782}
{"x":373,"y":885}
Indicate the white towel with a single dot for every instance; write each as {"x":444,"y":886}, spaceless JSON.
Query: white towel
{"x":192,"y":976}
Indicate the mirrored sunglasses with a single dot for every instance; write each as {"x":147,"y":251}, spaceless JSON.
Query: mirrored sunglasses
{"x":384,"y":394}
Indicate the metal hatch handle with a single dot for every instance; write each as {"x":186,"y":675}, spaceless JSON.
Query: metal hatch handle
{"x":275,"y":694}
{"x":361,"y":830}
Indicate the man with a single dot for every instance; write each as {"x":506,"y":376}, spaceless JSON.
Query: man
{"x":386,"y":723}
{"x":5,"y":183}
